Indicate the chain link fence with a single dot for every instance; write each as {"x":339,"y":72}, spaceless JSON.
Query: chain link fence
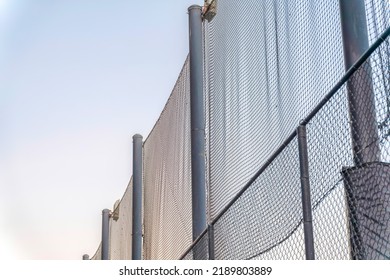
{"x":265,"y":60}
{"x":350,"y":197}
{"x":270,"y":66}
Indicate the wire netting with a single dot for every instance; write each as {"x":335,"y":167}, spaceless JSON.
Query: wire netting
{"x":121,"y":227}
{"x":267,"y":66}
{"x":167,"y":177}
{"x":199,"y":250}
{"x":350,"y":187}
{"x":349,"y":178}
{"x":264,"y":63}
{"x":265,"y":221}
{"x":378,"y":18}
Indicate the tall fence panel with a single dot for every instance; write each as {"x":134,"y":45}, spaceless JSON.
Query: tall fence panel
{"x":265,"y":59}
{"x":351,"y":214}
{"x":350,"y":200}
{"x":121,"y":227}
{"x":330,"y":148}
{"x":265,"y":222}
{"x":268,"y":64}
{"x":167,"y":177}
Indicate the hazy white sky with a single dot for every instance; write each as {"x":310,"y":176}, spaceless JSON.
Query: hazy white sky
{"x":77,"y":79}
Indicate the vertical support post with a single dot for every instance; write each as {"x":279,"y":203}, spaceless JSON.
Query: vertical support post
{"x":365,"y":138}
{"x":210,"y":232}
{"x":105,"y":233}
{"x":199,"y":222}
{"x":365,"y":185}
{"x":306,"y":199}
{"x":85,"y":257}
{"x":137,"y":198}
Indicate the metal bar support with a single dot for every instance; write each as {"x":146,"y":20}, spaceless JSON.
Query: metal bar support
{"x":365,"y":138}
{"x":137,"y":198}
{"x":306,"y":200}
{"x":105,"y":234}
{"x":199,"y":221}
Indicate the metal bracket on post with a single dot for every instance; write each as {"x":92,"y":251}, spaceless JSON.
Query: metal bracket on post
{"x":105,"y":234}
{"x":137,"y":198}
{"x":306,"y":199}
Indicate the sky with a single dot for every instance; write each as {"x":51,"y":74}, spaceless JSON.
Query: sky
{"x":78,"y":78}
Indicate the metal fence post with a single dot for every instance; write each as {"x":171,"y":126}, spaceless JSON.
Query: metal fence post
{"x":105,"y":234}
{"x":199,"y":222}
{"x":137,"y":198}
{"x":366,"y":184}
{"x":306,"y":199}
{"x":85,"y":257}
{"x":365,"y":138}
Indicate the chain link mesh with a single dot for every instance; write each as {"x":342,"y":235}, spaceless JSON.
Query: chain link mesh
{"x":199,"y":250}
{"x":264,"y":222}
{"x":265,"y":59}
{"x":378,"y":18}
{"x":167,"y":177}
{"x":352,"y":197}
{"x":267,"y":65}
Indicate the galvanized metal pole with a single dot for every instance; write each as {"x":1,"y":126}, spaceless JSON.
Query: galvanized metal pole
{"x":306,"y":199}
{"x":137,"y":198}
{"x":199,"y":221}
{"x":365,"y":198}
{"x":365,"y":138}
{"x":105,"y":234}
{"x":85,"y":257}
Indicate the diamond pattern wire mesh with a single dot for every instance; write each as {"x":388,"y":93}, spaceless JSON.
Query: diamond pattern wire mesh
{"x":265,"y":221}
{"x":350,"y":197}
{"x":329,"y":149}
{"x":200,"y":249}
{"x":167,"y":178}
{"x":267,"y":65}
{"x":121,"y":229}
{"x":378,"y":18}
{"x":352,"y":216}
{"x":264,"y":63}
{"x":367,"y":183}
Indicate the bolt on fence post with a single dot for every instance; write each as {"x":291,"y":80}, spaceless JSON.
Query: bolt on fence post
{"x":306,"y":199}
{"x":105,"y":233}
{"x":210,"y":232}
{"x":365,"y":138}
{"x":199,"y":221}
{"x":85,"y":257}
{"x":137,"y":198}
